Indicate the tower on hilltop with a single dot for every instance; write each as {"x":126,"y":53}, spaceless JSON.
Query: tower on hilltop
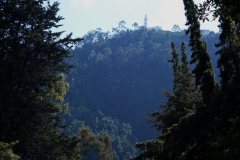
{"x":145,"y":21}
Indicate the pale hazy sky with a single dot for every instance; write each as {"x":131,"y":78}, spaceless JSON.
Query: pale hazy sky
{"x":82,"y":16}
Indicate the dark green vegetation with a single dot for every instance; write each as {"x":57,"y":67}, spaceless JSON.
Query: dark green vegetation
{"x":32,"y":87}
{"x":119,"y":77}
{"x":201,"y":121}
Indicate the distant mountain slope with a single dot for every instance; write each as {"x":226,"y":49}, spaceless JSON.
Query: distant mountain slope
{"x":123,"y":75}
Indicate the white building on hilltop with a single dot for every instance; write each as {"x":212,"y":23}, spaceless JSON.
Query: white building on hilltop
{"x":145,"y":21}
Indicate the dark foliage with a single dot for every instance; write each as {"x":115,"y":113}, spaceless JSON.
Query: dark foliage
{"x":31,"y":58}
{"x":122,"y":76}
{"x":209,"y":129}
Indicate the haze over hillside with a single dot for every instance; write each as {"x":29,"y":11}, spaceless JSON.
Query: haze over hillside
{"x":158,"y":85}
{"x":120,"y":76}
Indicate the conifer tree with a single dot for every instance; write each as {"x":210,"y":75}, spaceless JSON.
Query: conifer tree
{"x":229,"y":65}
{"x":175,"y":64}
{"x":181,"y":104}
{"x":229,"y":55}
{"x":184,"y":66}
{"x":204,"y":74}
{"x":210,"y":132}
{"x":31,"y":90}
{"x":226,"y":103}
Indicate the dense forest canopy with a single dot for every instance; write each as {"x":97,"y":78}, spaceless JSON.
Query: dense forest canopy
{"x":122,"y":75}
{"x":32,"y":86}
{"x":203,"y":126}
{"x":95,"y":110}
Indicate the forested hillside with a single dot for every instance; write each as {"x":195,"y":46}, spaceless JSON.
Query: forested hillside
{"x":186,"y":84}
{"x":201,"y":117}
{"x":33,"y":70}
{"x":119,"y":78}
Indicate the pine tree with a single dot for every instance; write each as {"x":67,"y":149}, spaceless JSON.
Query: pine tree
{"x":175,"y":64}
{"x":225,"y":108}
{"x":229,"y":65}
{"x":204,"y":74}
{"x":210,"y":130}
{"x":171,"y":121}
{"x":184,"y":66}
{"x":229,"y":56}
{"x":31,"y":58}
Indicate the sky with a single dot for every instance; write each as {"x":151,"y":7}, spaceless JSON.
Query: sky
{"x":82,"y":16}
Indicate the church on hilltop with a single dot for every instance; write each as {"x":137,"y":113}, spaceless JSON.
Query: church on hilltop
{"x":150,"y":28}
{"x":175,"y":28}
